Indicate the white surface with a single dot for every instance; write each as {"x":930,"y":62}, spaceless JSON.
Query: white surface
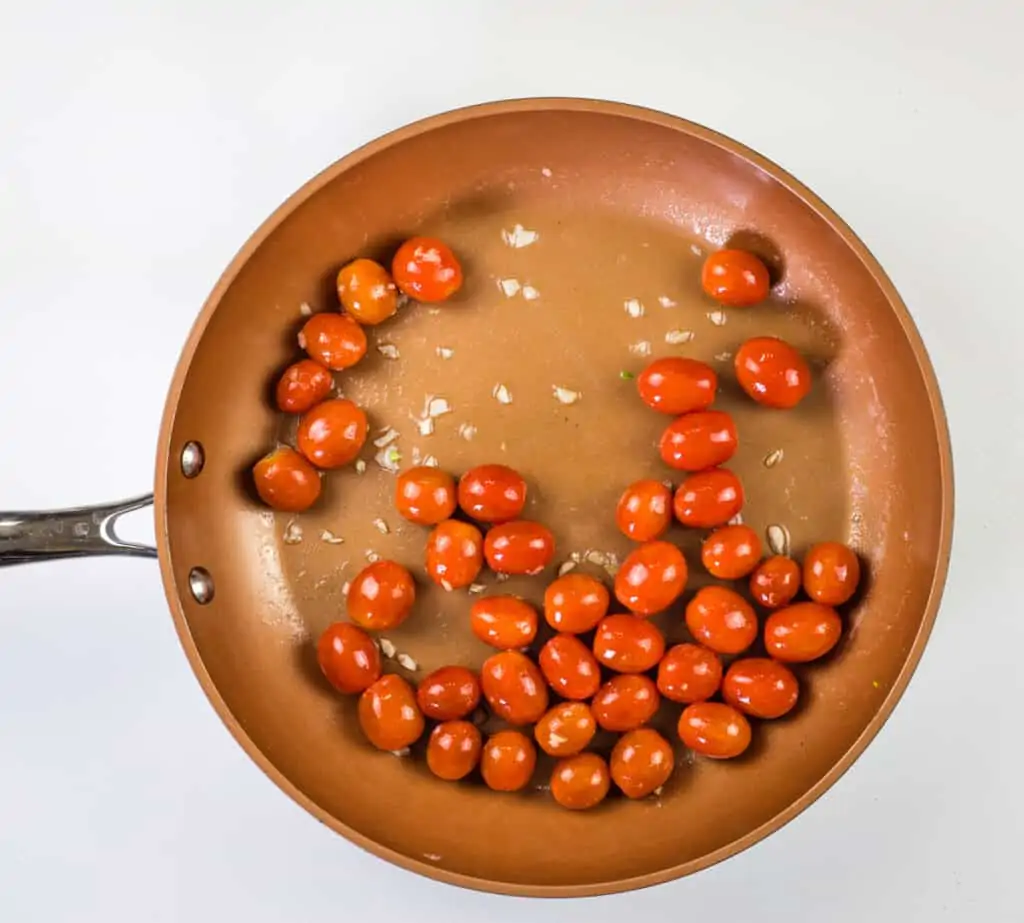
{"x":141,"y":143}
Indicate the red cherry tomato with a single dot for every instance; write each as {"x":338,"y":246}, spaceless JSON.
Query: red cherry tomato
{"x":389,"y":715}
{"x":731,"y":552}
{"x":333,"y":340}
{"x":570,"y":667}
{"x":735,"y":278}
{"x":644,"y":511}
{"x":348,"y":657}
{"x":332,"y":433}
{"x":303,"y":385}
{"x":627,"y":644}
{"x":519,"y":547}
{"x":676,"y":385}
{"x":381,"y":596}
{"x":425,"y":495}
{"x":514,"y":687}
{"x":285,"y":481}
{"x":454,"y":554}
{"x":580,"y":782}
{"x":715,"y":730}
{"x":448,"y":693}
{"x":689,"y":673}
{"x":760,"y":687}
{"x":453,"y":750}
{"x":575,"y":603}
{"x":426,"y":269}
{"x":831,"y":573}
{"x":566,"y":729}
{"x":696,"y":441}
{"x":367,"y":292}
{"x":651,"y":578}
{"x":625,"y":702}
{"x":507,"y":761}
{"x":641,"y":762}
{"x":802,"y":632}
{"x":721,"y":620}
{"x":505,"y":622}
{"x":708,"y":498}
{"x":775,"y":582}
{"x":772,"y":372}
{"x":492,"y":493}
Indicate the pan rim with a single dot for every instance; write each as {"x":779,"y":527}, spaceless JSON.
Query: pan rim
{"x":651,"y":116}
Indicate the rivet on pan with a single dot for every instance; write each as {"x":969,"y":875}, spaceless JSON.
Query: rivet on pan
{"x":192,"y":459}
{"x":201,"y":584}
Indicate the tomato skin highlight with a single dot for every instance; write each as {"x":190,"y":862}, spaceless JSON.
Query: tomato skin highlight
{"x":575,"y":603}
{"x":831,"y":573}
{"x":731,"y":552}
{"x":721,"y":620}
{"x":448,"y":693}
{"x":802,"y":632}
{"x":775,"y":582}
{"x":367,"y":291}
{"x":504,"y":622}
{"x":626,"y":644}
{"x":507,"y":761}
{"x":689,"y":673}
{"x":455,"y":554}
{"x":389,"y":715}
{"x":695,"y":441}
{"x":566,"y":729}
{"x":381,"y":596}
{"x":570,"y":668}
{"x":519,"y":547}
{"x":286,"y":481}
{"x":453,"y":750}
{"x":302,"y":386}
{"x":348,"y":658}
{"x":492,"y":493}
{"x":336,"y":341}
{"x":426,"y":269}
{"x":644,"y":512}
{"x":735,"y":278}
{"x":714,"y":729}
{"x":580,"y":782}
{"x":760,"y":687}
{"x":677,"y":385}
{"x":651,"y":578}
{"x":626,"y":702}
{"x":641,"y":763}
{"x":425,"y":495}
{"x":772,"y":372}
{"x":514,"y":687}
{"x":332,"y":434}
{"x":708,"y":498}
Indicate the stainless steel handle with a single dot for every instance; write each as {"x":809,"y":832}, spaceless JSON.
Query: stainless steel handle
{"x":52,"y":534}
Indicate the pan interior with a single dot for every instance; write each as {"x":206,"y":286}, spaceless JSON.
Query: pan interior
{"x":624,"y":207}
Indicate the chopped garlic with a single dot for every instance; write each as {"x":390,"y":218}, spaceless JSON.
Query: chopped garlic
{"x":530,"y":293}
{"x":723,"y":356}
{"x":666,"y":302}
{"x":430,"y":461}
{"x":305,"y":309}
{"x":502,"y":394}
{"x":387,"y":647}
{"x":640,"y":348}
{"x":372,"y":556}
{"x":544,"y":171}
{"x":634,"y":307}
{"x":436,"y":406}
{"x":695,"y":250}
{"x":446,"y":585}
{"x":778,"y":539}
{"x":388,"y":350}
{"x":467,"y":431}
{"x":566,"y":567}
{"x":387,"y":437}
{"x":476,"y":588}
{"x":736,"y":520}
{"x":360,"y":466}
{"x":445,"y":352}
{"x":519,"y":237}
{"x":404,"y":660}
{"x":292,"y":533}
{"x":425,"y":427}
{"x":773,"y":458}
{"x":345,"y":587}
{"x":400,"y":753}
{"x":328,"y":536}
{"x":509,"y":286}
{"x":381,"y":526}
{"x":718,"y":318}
{"x":565,"y":396}
{"x":388,"y":459}
{"x":675,"y":337}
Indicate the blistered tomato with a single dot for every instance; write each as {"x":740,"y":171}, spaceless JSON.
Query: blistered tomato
{"x":492,"y":493}
{"x":641,"y":762}
{"x":760,"y":687}
{"x":381,"y":596}
{"x":580,"y":782}
{"x":721,"y":619}
{"x":802,"y":632}
{"x":453,"y":750}
{"x":575,"y":603}
{"x":735,"y":278}
{"x":333,"y":340}
{"x":505,"y":622}
{"x":775,"y":581}
{"x":696,"y":441}
{"x":566,"y":729}
{"x":627,"y":644}
{"x":715,"y":730}
{"x":625,"y":702}
{"x":426,"y":269}
{"x":389,"y":715}
{"x":731,"y":552}
{"x":425,"y":495}
{"x":569,"y":667}
{"x":454,"y":554}
{"x":651,"y":578}
{"x":689,"y":673}
{"x":708,"y":498}
{"x":367,"y":292}
{"x":772,"y":372}
{"x":348,"y":657}
{"x":285,"y":481}
{"x":507,"y":761}
{"x":519,"y":547}
{"x":831,"y":573}
{"x":644,"y":511}
{"x":303,"y":385}
{"x":514,"y":687}
{"x":677,"y":385}
{"x":332,"y":433}
{"x":448,"y":693}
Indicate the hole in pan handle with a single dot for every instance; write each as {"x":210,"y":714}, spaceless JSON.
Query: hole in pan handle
{"x":51,"y":534}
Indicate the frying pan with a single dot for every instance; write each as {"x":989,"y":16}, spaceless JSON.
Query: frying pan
{"x":625,"y":202}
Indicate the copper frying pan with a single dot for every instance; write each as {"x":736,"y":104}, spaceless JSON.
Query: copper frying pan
{"x":625,"y":201}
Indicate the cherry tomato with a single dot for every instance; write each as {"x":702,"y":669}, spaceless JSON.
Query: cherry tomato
{"x":519,"y":547}
{"x":831,"y":573}
{"x":427,"y":270}
{"x":448,"y":693}
{"x":731,"y":552}
{"x":507,"y":761}
{"x":775,"y":581}
{"x":454,"y":554}
{"x":303,"y":385}
{"x":689,"y":673}
{"x":332,"y":433}
{"x":625,"y":702}
{"x":715,"y":730}
{"x":627,"y":644}
{"x":348,"y":657}
{"x":708,"y":498}
{"x":802,"y":632}
{"x":492,"y":493}
{"x":700,"y":440}
{"x":381,"y":596}
{"x":425,"y":495}
{"x":735,"y":278}
{"x":676,"y":385}
{"x":644,"y":511}
{"x":651,"y":578}
{"x":566,"y":729}
{"x":285,"y":481}
{"x":580,"y":782}
{"x":642,"y":762}
{"x":505,"y":622}
{"x":333,"y":340}
{"x":366,"y":291}
{"x":575,"y":603}
{"x":514,"y":687}
{"x":760,"y":687}
{"x":388,"y":714}
{"x":721,"y":620}
{"x":772,"y":372}
{"x":453,"y":750}
{"x":570,"y":667}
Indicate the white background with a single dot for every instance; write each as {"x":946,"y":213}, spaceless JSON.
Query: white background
{"x":140,"y":144}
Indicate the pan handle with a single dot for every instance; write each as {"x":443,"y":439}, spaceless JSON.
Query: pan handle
{"x":52,"y":534}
